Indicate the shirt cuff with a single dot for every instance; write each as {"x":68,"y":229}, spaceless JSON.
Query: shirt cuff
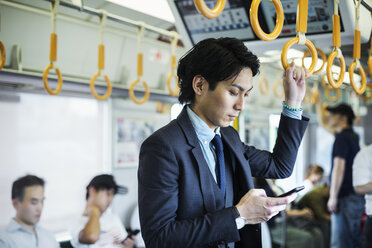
{"x":292,"y":114}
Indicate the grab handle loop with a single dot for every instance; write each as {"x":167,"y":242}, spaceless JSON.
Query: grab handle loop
{"x":263,"y":83}
{"x":330,"y":97}
{"x":324,"y":58}
{"x":324,"y":83}
{"x":370,"y":61}
{"x":301,"y":29}
{"x":336,"y":53}
{"x":172,"y":74}
{"x":253,"y":13}
{"x":101,"y":63}
{"x":207,"y":12}
{"x":3,"y":56}
{"x":356,"y":57}
{"x":313,"y":52}
{"x":53,"y":54}
{"x":139,"y":72}
{"x":275,"y":89}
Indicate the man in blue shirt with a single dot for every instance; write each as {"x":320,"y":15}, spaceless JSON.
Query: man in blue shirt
{"x":195,"y":175}
{"x":23,"y":230}
{"x":345,"y":205}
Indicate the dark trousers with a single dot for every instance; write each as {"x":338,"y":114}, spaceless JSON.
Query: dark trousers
{"x":368,"y":233}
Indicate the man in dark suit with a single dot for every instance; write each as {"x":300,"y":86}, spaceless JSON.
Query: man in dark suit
{"x":195,"y":175}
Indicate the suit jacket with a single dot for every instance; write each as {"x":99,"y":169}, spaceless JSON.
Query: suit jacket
{"x":179,"y":205}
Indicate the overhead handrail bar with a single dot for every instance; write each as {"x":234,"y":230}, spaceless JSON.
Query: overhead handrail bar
{"x":356,"y":57}
{"x":139,"y":71}
{"x":336,"y":53}
{"x":101,"y":63}
{"x":3,"y":55}
{"x":172,"y":74}
{"x":301,"y":29}
{"x":53,"y":53}
{"x":116,"y":18}
{"x":207,"y":12}
{"x":324,"y":58}
{"x":253,"y":15}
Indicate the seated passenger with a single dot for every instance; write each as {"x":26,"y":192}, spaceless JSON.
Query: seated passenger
{"x":300,"y":231}
{"x":314,"y":174}
{"x":23,"y":230}
{"x":316,"y":200}
{"x":99,"y":226}
{"x":135,"y":225}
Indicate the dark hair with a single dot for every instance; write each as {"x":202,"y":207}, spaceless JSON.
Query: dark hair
{"x":314,"y":169}
{"x":18,"y":187}
{"x":105,"y":182}
{"x":216,"y":60}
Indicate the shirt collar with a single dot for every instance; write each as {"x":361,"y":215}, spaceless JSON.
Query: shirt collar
{"x":203,"y":131}
{"x":15,"y":226}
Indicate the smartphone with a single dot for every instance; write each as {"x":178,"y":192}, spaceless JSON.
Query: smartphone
{"x":295,"y":190}
{"x":130,"y":234}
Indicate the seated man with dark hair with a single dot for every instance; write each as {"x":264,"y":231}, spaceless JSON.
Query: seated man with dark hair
{"x":99,"y":226}
{"x":22,"y":230}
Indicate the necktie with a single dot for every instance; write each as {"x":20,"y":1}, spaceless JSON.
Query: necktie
{"x":220,"y":163}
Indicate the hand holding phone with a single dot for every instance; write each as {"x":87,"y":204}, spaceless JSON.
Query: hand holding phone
{"x":295,"y":190}
{"x":131,"y":234}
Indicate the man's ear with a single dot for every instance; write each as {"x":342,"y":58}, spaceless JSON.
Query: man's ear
{"x":198,"y":84}
{"x":92,"y":192}
{"x":15,"y":203}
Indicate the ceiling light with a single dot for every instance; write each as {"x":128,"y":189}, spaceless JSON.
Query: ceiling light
{"x":156,"y":8}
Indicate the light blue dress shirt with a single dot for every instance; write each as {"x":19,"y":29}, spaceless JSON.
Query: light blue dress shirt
{"x":205,"y":135}
{"x":16,"y":236}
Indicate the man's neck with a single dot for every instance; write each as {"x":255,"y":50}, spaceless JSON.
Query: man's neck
{"x":26,"y":226}
{"x":341,"y":127}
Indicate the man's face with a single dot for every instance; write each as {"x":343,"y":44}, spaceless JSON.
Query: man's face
{"x":222,"y":105}
{"x":102,"y":198}
{"x":334,"y":120}
{"x":29,"y":210}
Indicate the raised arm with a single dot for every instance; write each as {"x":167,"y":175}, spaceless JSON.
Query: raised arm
{"x":91,"y":231}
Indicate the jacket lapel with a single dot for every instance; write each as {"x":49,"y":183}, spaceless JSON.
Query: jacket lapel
{"x":205,"y":178}
{"x":234,"y":146}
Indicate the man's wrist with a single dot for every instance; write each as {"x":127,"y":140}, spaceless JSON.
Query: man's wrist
{"x":293,"y":104}
{"x":236,"y":213}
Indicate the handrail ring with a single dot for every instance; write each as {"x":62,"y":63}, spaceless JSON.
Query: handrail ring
{"x":275,"y":87}
{"x":330,"y":60}
{"x":263,"y":81}
{"x":324,"y":58}
{"x":207,"y":12}
{"x":333,"y":98}
{"x":3,"y":55}
{"x":253,"y":13}
{"x":363,"y":85}
{"x":324,"y":83}
{"x":131,"y":92}
{"x":309,"y":44}
{"x":93,"y":90}
{"x":169,"y":81}
{"x":45,"y":79}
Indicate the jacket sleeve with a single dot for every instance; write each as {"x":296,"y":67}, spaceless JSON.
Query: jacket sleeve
{"x":279,"y":163}
{"x":158,"y":179}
